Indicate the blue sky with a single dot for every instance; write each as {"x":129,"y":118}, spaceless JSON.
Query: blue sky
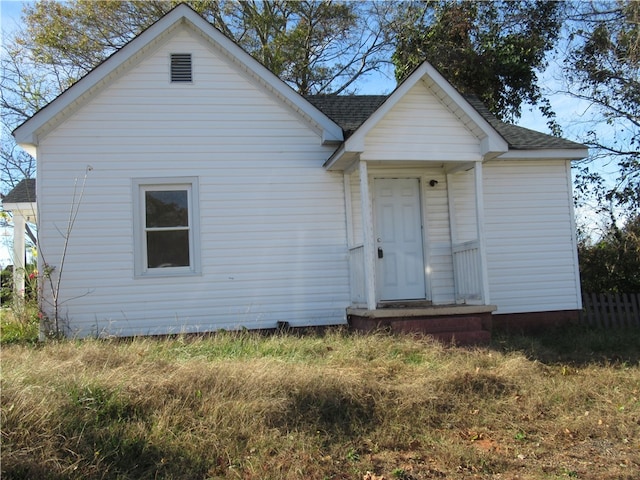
{"x":9,"y":13}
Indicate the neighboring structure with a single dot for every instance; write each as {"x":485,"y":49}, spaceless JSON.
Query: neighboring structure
{"x":218,"y":197}
{"x":21,"y":202}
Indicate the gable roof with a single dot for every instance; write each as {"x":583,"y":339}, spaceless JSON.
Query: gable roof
{"x":27,"y":134}
{"x":351,"y":111}
{"x":23,"y":192}
{"x":348,"y":111}
{"x":490,"y":142}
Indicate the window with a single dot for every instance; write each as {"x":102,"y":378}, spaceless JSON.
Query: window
{"x":181,"y":67}
{"x":166,"y":226}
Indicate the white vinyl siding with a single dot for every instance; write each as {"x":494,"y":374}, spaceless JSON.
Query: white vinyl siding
{"x":462,"y":195}
{"x":420,"y":127}
{"x":272,"y":220}
{"x":530,"y":237}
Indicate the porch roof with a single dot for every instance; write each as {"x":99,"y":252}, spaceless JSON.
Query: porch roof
{"x":351,"y":111}
{"x":23,"y":192}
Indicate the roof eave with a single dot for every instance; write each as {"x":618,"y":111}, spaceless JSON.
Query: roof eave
{"x":577,"y":153}
{"x":341,"y":159}
{"x":30,"y":208}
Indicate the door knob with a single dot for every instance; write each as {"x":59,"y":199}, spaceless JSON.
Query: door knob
{"x":380,"y":253}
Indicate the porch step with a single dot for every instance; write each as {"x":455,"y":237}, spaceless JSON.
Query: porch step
{"x":437,"y":325}
{"x":472,"y":328}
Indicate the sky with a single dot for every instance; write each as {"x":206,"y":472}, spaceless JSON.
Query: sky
{"x":10,"y":13}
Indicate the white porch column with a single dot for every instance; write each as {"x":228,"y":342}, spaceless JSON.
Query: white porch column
{"x":368,"y":240}
{"x":482,"y":242}
{"x":18,"y":253}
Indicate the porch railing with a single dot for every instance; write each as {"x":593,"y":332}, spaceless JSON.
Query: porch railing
{"x":466,"y":271}
{"x":356,"y":269}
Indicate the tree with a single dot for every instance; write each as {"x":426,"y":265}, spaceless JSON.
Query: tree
{"x":23,"y":91}
{"x":490,"y":49}
{"x":317,"y":46}
{"x":612,"y":264}
{"x":603,"y":69}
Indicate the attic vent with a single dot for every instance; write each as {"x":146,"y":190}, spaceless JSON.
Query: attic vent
{"x":181,"y":67}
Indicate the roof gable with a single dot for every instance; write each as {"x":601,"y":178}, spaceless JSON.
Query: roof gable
{"x":65,"y":104}
{"x":491,"y":143}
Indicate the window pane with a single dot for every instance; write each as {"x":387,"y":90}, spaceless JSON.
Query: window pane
{"x":167,"y":208}
{"x":168,"y":249}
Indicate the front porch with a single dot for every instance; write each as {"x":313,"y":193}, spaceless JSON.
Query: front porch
{"x":417,"y":251}
{"x":459,"y":324}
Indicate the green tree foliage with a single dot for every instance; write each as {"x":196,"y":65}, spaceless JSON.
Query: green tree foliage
{"x":613,"y":263}
{"x":490,"y":49}
{"x":317,"y":46}
{"x":603,"y":69}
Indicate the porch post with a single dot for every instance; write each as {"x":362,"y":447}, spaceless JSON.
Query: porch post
{"x":368,"y":240}
{"x":484,"y":275}
{"x":18,"y":253}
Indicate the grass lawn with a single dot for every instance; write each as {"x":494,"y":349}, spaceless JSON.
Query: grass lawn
{"x":332,"y":406}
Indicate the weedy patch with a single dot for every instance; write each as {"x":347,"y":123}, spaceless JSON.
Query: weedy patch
{"x":333,"y":406}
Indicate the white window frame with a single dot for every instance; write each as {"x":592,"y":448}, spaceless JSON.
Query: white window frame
{"x":140,"y":187}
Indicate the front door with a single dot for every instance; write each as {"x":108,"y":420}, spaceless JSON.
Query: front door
{"x":398,"y":235}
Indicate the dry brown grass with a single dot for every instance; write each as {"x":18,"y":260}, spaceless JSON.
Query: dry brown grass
{"x":336,"y":406}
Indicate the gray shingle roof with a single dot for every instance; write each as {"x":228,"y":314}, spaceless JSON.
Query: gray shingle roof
{"x":351,"y":111}
{"x":520,"y":138}
{"x":23,"y":192}
{"x":348,"y":111}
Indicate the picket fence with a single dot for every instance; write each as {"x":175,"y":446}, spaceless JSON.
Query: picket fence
{"x":611,"y":310}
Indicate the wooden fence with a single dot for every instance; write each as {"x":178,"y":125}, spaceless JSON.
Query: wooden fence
{"x":611,"y":310}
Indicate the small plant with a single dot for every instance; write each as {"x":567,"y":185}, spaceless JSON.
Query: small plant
{"x":520,"y":436}
{"x":19,"y":323}
{"x":54,"y":325}
{"x":399,"y":473}
{"x":352,"y":455}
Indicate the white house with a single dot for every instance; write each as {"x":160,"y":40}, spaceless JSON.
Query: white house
{"x":216,"y":197}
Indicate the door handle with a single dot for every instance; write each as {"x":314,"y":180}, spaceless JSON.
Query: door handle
{"x":380,"y":253}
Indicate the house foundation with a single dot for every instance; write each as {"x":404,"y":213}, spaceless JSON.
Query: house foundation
{"x":534,"y":322}
{"x":459,"y":324}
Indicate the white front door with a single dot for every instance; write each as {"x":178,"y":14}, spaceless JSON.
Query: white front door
{"x":398,"y":235}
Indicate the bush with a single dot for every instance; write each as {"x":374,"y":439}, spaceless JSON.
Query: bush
{"x":30,"y":284}
{"x":613,"y":263}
